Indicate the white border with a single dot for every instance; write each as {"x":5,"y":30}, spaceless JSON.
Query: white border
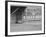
{"x":24,"y":4}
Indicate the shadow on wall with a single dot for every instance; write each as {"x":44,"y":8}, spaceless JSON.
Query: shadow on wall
{"x":11,"y":36}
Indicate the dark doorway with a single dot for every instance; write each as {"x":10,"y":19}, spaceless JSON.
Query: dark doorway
{"x":17,"y":11}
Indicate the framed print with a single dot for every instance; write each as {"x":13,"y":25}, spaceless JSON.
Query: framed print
{"x":24,"y":18}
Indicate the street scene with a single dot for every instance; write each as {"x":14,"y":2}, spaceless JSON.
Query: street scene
{"x":25,"y":18}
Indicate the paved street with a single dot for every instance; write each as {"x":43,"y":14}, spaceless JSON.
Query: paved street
{"x":25,"y":27}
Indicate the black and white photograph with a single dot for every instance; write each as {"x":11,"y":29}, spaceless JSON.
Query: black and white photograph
{"x":25,"y":18}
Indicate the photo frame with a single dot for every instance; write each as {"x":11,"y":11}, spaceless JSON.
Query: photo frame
{"x":24,"y":18}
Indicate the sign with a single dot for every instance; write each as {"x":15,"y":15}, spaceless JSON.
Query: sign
{"x":24,"y":18}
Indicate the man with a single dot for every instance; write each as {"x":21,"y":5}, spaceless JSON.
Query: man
{"x":19,"y":14}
